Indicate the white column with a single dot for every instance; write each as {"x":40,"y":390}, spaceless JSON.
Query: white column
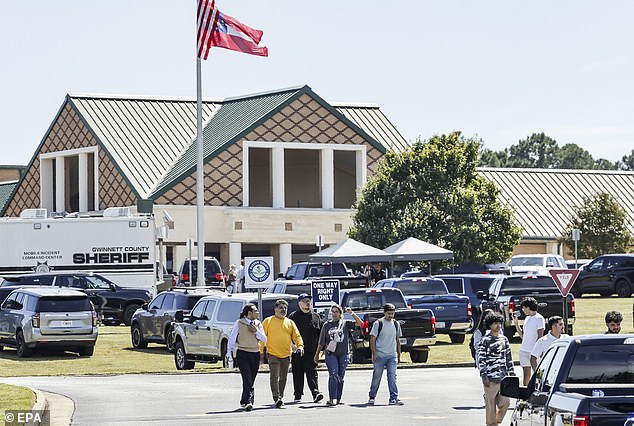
{"x":59,"y":185}
{"x":286,"y":256}
{"x":235,"y":253}
{"x":361,"y":171}
{"x":83,"y":182}
{"x":277,"y":171}
{"x":327,"y":178}
{"x":46,"y":185}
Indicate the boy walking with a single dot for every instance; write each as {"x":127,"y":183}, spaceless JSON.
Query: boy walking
{"x":494,"y":363}
{"x":386,"y":353}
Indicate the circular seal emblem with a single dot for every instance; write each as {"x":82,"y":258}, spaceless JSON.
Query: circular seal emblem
{"x":259,"y":271}
{"x":42,"y":268}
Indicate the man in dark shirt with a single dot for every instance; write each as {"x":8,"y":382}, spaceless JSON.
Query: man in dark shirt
{"x":309,"y":326}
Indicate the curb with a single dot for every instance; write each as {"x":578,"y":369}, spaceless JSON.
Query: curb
{"x":58,"y":409}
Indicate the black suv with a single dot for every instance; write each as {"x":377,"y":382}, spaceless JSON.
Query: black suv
{"x":114,"y":304}
{"x":152,"y":323}
{"x":214,"y":277}
{"x":606,"y":275}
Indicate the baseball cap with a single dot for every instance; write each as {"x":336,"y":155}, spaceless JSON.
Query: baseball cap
{"x":304,"y":296}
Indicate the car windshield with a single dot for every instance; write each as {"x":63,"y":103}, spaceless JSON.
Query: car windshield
{"x":211,"y":267}
{"x":422,"y":287}
{"x":298,"y":289}
{"x":523,"y":282}
{"x":64,"y":304}
{"x":526,"y":261}
{"x":187,"y":303}
{"x":374,"y":300}
{"x":603,"y":364}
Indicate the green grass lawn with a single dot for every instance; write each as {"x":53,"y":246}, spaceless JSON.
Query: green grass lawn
{"x":15,"y":398}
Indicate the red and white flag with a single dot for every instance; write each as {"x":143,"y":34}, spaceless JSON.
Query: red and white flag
{"x":207,"y":19}
{"x":229,"y":33}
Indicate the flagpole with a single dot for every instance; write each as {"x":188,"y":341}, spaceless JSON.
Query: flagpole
{"x":200,"y":187}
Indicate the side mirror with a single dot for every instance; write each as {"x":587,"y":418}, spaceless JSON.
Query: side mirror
{"x":178,"y":316}
{"x":510,"y":386}
{"x":112,"y":287}
{"x":481,"y":295}
{"x":144,"y":306}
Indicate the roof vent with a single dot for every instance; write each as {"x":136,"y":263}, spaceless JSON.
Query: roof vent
{"x":33,"y":214}
{"x":116,"y":212}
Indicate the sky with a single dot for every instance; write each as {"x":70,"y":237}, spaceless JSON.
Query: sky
{"x":495,"y":70}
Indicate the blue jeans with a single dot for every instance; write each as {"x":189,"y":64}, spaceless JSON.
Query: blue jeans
{"x":381,"y":363}
{"x":336,"y":369}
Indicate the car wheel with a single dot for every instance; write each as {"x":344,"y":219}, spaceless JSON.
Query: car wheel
{"x":623,"y":289}
{"x":23,"y":350}
{"x":457,"y":338}
{"x":473,"y":321}
{"x":419,"y":356}
{"x":180,"y":357}
{"x":128,"y":312}
{"x":138,"y":342}
{"x":169,"y":339}
{"x":86,"y":351}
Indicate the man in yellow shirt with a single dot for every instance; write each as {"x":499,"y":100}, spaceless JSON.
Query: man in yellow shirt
{"x":281,"y":333}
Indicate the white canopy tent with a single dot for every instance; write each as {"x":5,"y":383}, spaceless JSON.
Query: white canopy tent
{"x":350,"y":250}
{"x":413,"y":249}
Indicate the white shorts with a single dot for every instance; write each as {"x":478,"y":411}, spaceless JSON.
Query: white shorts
{"x":525,"y":359}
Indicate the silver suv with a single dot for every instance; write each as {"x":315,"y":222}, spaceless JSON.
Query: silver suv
{"x":202,"y":336}
{"x":47,"y":317}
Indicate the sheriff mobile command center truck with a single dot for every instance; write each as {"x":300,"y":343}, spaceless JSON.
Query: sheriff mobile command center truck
{"x":117,"y":245}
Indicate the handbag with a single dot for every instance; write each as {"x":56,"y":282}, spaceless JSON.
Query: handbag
{"x":332,"y":345}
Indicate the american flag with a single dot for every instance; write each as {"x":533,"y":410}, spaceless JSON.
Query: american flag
{"x":206,"y":25}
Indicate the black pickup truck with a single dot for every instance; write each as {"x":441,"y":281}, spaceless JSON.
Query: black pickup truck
{"x":452,"y":312}
{"x":326,"y":271}
{"x":506,"y":293}
{"x":581,"y":380}
{"x":417,"y":325}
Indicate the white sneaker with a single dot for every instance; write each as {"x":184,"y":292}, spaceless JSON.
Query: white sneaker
{"x":371,"y":401}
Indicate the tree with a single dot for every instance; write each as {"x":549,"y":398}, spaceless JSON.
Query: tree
{"x":627,"y":162}
{"x":489,"y":158}
{"x":433,"y":192}
{"x":538,"y":150}
{"x":603,"y":164}
{"x":572,"y":156}
{"x":603,"y":225}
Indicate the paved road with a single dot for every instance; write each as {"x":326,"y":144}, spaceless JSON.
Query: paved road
{"x":432,"y":396}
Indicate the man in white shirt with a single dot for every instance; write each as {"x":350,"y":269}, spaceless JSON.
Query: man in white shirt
{"x":533,"y":329}
{"x":556,"y":325}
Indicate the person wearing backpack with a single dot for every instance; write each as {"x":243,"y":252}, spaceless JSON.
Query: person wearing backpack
{"x":386,"y":353}
{"x":333,"y":339}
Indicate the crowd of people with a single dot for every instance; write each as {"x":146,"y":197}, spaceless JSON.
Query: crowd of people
{"x":492,"y":351}
{"x":299,"y":340}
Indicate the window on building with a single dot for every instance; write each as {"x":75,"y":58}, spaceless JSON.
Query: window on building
{"x":345,"y":179}
{"x":302,"y":183}
{"x":260,"y":193}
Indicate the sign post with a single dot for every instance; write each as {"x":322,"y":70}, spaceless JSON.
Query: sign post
{"x":564,"y":279}
{"x":258,"y":273}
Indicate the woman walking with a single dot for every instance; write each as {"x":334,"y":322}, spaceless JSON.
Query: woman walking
{"x":246,"y":334}
{"x":333,"y":339}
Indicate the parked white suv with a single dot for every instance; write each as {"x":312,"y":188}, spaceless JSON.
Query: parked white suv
{"x":535,"y":263}
{"x":203,"y":335}
{"x":48,"y":317}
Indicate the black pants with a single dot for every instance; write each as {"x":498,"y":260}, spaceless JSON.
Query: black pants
{"x":304,"y":365}
{"x":248,"y":363}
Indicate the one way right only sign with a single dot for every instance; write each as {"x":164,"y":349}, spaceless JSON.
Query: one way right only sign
{"x":564,"y":279}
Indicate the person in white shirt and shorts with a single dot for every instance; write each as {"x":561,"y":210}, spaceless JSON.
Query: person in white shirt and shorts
{"x":532,"y":330}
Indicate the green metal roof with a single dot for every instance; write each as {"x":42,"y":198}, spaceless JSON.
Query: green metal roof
{"x":151,"y":139}
{"x":544,"y":200}
{"x":6,"y":189}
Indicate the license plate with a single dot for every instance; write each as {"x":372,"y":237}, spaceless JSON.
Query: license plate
{"x":440,"y":325}
{"x":403,"y":340}
{"x":67,"y":323}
